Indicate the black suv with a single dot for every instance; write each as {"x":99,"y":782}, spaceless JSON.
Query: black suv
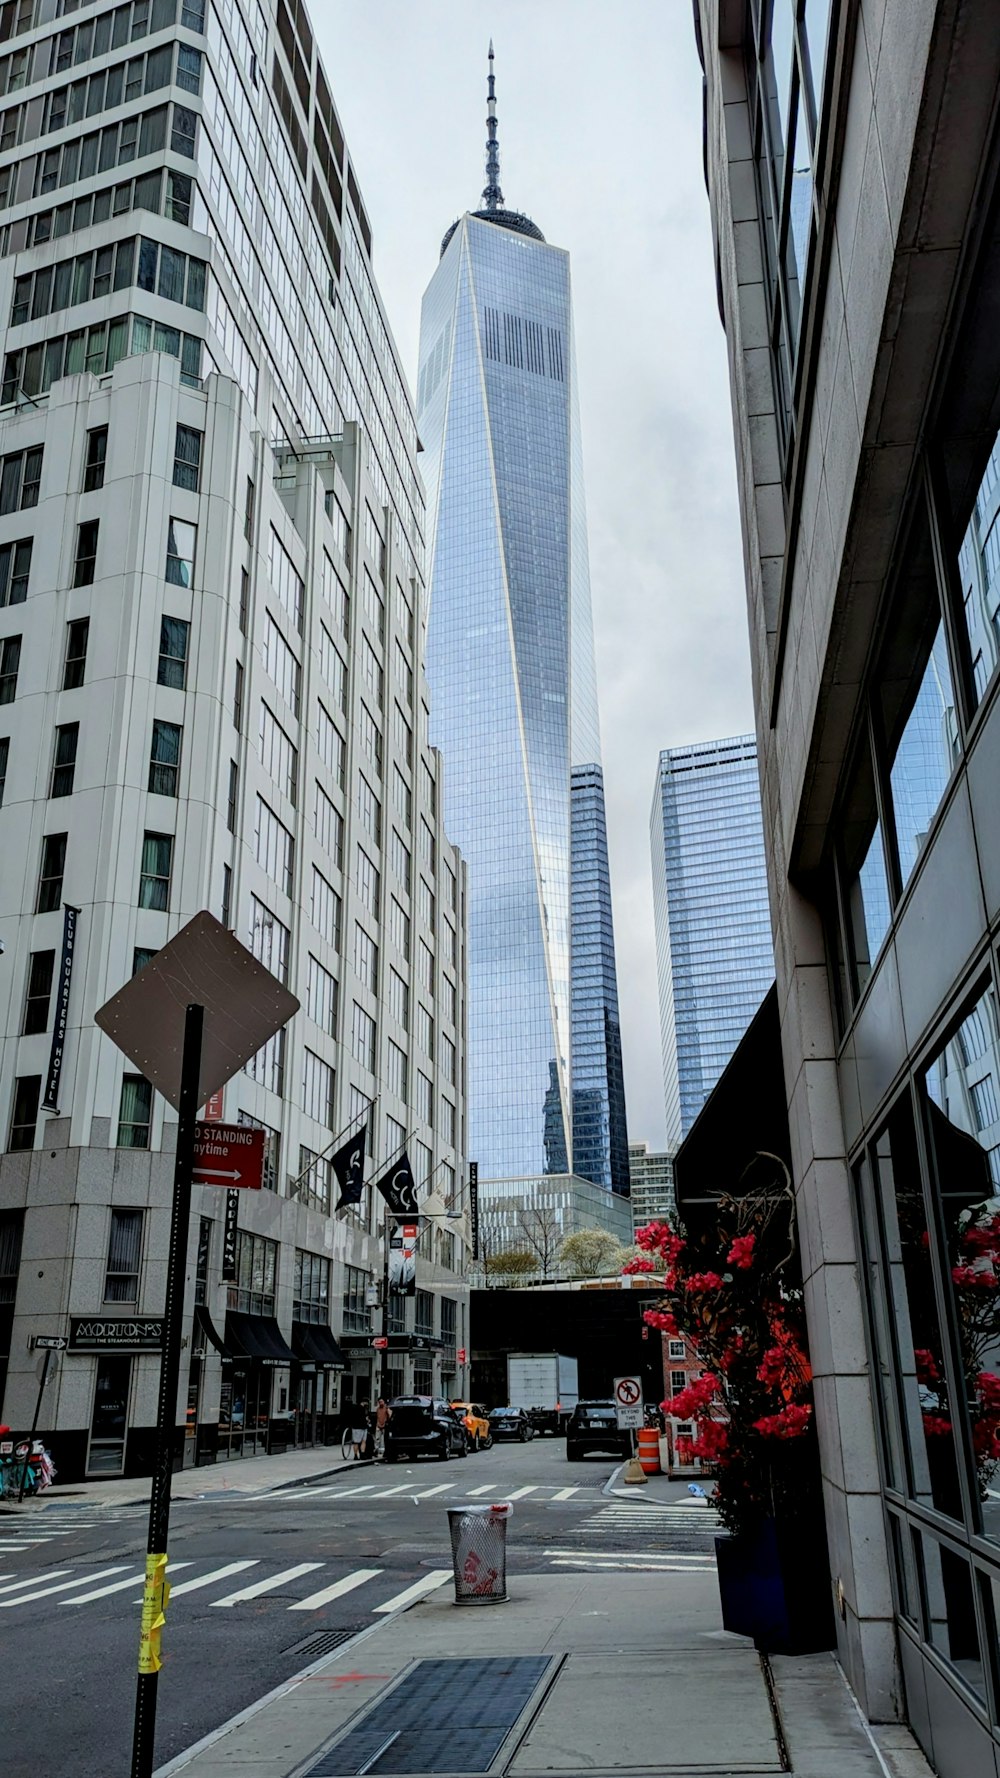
{"x":593,"y":1426}
{"x":423,"y":1426}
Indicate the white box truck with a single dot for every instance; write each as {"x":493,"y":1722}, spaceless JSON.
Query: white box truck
{"x":545,"y":1385}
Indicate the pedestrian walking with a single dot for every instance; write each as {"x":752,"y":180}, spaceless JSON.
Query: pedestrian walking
{"x":383,"y":1414}
{"x":359,"y":1428}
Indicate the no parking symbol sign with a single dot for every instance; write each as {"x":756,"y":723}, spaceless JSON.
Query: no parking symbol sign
{"x":628,"y":1403}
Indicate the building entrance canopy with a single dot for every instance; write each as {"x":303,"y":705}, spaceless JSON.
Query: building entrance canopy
{"x":314,"y":1343}
{"x":258,"y":1337}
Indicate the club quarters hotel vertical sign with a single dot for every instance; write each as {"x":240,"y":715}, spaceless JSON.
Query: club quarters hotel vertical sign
{"x":51,"y":1100}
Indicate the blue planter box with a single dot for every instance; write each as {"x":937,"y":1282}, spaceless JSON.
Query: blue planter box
{"x":775,"y":1588}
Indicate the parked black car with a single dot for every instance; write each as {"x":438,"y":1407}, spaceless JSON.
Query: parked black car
{"x":593,"y":1426}
{"x":511,"y":1423}
{"x":424,"y":1426}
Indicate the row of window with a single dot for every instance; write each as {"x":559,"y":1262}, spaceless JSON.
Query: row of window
{"x":119,"y":84}
{"x":163,"y":192}
{"x":115,"y":145}
{"x":31,"y":370}
{"x":152,"y":266}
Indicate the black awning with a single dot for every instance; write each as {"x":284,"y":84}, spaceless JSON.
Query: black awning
{"x":744,"y":1118}
{"x":258,"y":1337}
{"x":204,"y":1323}
{"x":314,"y":1342}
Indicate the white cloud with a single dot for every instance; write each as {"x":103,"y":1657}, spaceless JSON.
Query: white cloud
{"x":600,"y":139}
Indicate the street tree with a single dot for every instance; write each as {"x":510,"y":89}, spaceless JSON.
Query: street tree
{"x":538,"y":1224}
{"x":592,"y":1253}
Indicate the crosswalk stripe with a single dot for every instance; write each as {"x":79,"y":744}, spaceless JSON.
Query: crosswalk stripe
{"x":13,"y":1585}
{"x":519,"y":1493}
{"x":345,"y":1585}
{"x":117,"y":1586}
{"x":63,"y":1586}
{"x":425,"y":1493}
{"x":297,"y":1494}
{"x":565,"y":1493}
{"x":474,"y":1492}
{"x":205,"y":1580}
{"x":343,"y":1493}
{"x":429,"y":1584}
{"x":387,"y":1493}
{"x":268,"y":1586}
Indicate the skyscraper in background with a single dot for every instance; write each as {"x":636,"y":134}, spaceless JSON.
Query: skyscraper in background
{"x":714,"y":956}
{"x":514,"y":696}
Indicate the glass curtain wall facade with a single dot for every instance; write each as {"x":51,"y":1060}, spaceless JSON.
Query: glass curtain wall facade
{"x":710,"y":907}
{"x":511,"y":668}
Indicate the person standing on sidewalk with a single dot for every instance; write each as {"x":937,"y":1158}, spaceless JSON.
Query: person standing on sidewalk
{"x":359,"y":1429}
{"x":383,"y":1414}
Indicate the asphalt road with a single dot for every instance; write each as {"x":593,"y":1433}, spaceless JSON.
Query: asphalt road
{"x":259,"y":1580}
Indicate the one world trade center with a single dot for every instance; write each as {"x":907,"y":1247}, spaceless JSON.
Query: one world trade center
{"x":510,"y":660}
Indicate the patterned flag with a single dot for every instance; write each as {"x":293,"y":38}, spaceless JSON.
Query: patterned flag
{"x":399,"y":1188}
{"x":349,"y":1168}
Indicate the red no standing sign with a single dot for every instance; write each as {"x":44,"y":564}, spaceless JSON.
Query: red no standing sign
{"x":228,"y":1155}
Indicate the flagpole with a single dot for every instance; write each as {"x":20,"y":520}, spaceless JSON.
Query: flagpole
{"x":333,"y":1142}
{"x":384,"y":1335}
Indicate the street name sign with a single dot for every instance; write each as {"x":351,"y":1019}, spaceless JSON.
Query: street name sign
{"x":230,"y":1155}
{"x":628,"y":1403}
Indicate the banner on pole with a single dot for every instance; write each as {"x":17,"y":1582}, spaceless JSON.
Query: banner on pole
{"x":51,"y":1099}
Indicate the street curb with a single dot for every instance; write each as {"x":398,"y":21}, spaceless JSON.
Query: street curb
{"x":324,"y":1474}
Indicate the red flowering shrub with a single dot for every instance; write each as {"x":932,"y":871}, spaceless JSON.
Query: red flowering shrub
{"x":732,"y":1292}
{"x":641,"y":1263}
{"x":936,"y":1426}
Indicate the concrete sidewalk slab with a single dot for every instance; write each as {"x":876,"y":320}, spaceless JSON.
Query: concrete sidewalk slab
{"x":644,"y":1680}
{"x":250,"y":1475}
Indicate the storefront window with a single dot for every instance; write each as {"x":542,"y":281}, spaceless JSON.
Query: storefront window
{"x":963,"y":1109}
{"x":109,"y":1417}
{"x":924,"y":756}
{"x":950,"y":1610}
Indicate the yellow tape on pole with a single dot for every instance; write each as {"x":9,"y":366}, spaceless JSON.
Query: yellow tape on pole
{"x":155,"y":1595}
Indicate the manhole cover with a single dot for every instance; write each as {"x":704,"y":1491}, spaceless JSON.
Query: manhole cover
{"x":321,"y":1642}
{"x":444,"y":1716}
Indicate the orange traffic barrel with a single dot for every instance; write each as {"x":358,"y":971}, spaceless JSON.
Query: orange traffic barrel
{"x":649,"y":1450}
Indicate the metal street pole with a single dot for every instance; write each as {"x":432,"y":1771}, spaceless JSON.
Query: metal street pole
{"x":383,"y":1387}
{"x":34,"y":1425}
{"x":156,"y":1590}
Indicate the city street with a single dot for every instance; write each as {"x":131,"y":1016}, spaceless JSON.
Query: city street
{"x":292,"y":1570}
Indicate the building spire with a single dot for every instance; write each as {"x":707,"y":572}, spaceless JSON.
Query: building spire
{"x":492,"y":195}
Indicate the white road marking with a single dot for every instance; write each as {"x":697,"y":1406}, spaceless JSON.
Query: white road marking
{"x":425,"y":1493}
{"x":205,"y":1580}
{"x":565,"y":1493}
{"x":429,"y":1584}
{"x":268,"y":1586}
{"x":519,"y":1493}
{"x":63,"y":1587}
{"x":118,"y":1586}
{"x":13,"y":1585}
{"x":489,"y":1489}
{"x":345,"y":1585}
{"x":387,"y":1493}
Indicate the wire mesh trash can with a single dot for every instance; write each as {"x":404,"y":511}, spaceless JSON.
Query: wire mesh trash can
{"x":479,"y":1552}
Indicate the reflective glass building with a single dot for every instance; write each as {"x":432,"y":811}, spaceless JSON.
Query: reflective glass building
{"x":511,"y":666}
{"x":713,"y":930}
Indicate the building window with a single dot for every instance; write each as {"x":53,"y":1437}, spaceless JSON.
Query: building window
{"x":238,"y":697}
{"x":20,"y":477}
{"x":140,"y":957}
{"x":325,"y":909}
{"x":226,"y":911}
{"x":399,"y":999}
{"x":86,"y":553}
{"x":10,"y":661}
{"x":50,"y":875}
{"x":187,"y":458}
{"x":39,"y":990}
{"x":183,"y":131}
{"x":311,"y":1287}
{"x":328,"y":826}
{"x":97,"y":457}
{"x":675,"y":1348}
{"x":365,"y":958}
{"x":317,"y":1089}
{"x":172,"y":665}
{"x":253,"y":1293}
{"x":135,"y":1112}
{"x":121,"y":1278}
{"x":424,"y":1314}
{"x":248,"y":511}
{"x":321,"y":997}
{"x":11,"y":1231}
{"x":357,"y":1315}
{"x":24,"y":1113}
{"x":363,"y":1038}
{"x":77,"y":637}
{"x":154,"y":877}
{"x":274,"y":848}
{"x":233,"y":795}
{"x":164,"y":758}
{"x":181,"y":541}
{"x":4,"y":754}
{"x":269,"y":939}
{"x":272,"y":1148}
{"x":64,"y":759}
{"x":424,"y":1097}
{"x":397,"y":1069}
{"x":15,"y":566}
{"x":399,"y":928}
{"x":369,"y":883}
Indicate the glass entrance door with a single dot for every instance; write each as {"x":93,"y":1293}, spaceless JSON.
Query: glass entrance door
{"x":109,"y":1417}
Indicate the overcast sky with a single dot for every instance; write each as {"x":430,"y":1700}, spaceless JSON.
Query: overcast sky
{"x":600,"y":142}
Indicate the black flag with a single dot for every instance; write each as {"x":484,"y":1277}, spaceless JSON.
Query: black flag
{"x":349,"y":1168}
{"x":399,"y":1188}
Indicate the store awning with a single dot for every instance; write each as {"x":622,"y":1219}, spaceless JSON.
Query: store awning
{"x":206,"y":1326}
{"x":743,"y":1121}
{"x":314,"y":1342}
{"x":258,"y":1337}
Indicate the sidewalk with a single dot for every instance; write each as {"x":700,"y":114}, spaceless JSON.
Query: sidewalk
{"x":250,"y":1475}
{"x":604,"y":1674}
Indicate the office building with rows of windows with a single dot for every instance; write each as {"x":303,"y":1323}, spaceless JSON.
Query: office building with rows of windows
{"x":652,"y":1180}
{"x":511,"y":667}
{"x":714,"y":961}
{"x":212,"y":694}
{"x":853,"y":162}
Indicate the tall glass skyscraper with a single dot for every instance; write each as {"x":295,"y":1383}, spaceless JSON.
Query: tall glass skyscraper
{"x":514,"y":695}
{"x":714,"y":956}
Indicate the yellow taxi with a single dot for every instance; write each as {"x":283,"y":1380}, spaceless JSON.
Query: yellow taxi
{"x":476,"y":1424}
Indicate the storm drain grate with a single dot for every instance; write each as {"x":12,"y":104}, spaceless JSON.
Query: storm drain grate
{"x":444,"y":1716}
{"x":321,"y":1642}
